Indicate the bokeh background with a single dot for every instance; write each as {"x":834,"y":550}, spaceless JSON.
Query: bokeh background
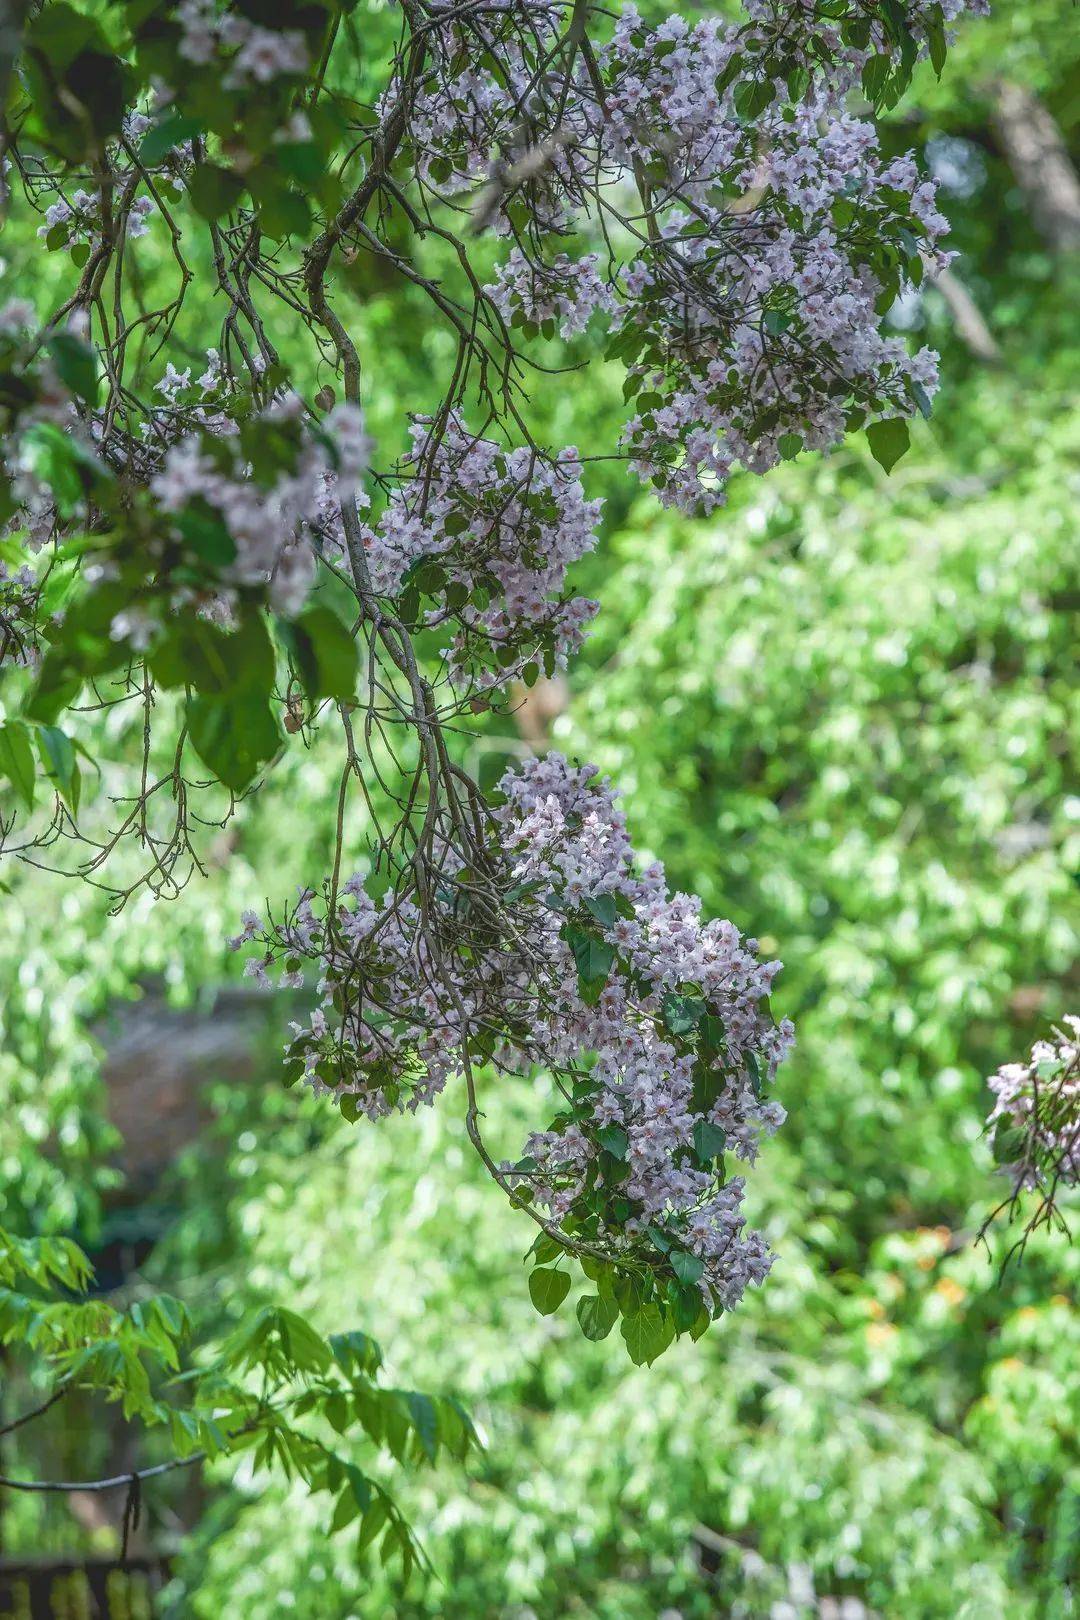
{"x":844,"y":710}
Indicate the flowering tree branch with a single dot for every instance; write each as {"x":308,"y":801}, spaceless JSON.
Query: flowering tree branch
{"x":224,"y":564}
{"x":1035,"y":1123}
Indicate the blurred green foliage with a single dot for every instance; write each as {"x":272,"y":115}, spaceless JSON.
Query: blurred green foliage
{"x":844,"y":711}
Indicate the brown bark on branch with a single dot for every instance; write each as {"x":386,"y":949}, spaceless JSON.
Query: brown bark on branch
{"x":971,"y":327}
{"x":1039,"y":158}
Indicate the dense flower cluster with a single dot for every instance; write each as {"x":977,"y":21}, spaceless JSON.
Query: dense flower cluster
{"x":752,"y":331}
{"x":753,"y":238}
{"x":489,"y":532}
{"x":654,"y":1024}
{"x":567,"y":291}
{"x":835,"y":44}
{"x":776,"y":236}
{"x":676,"y":1015}
{"x":662,"y":103}
{"x":261,"y":54}
{"x":270,"y":487}
{"x":1036,"y":1113}
{"x":775,"y":343}
{"x":187,"y":405}
{"x":464,"y":112}
{"x":80,"y":219}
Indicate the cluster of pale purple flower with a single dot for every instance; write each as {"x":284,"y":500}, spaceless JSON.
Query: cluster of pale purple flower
{"x":649,"y":1094}
{"x":748,"y":315}
{"x":261,"y":54}
{"x":81,"y":217}
{"x":751,"y":317}
{"x":275,"y":524}
{"x":501,"y":527}
{"x":802,"y":34}
{"x":1036,"y":1112}
{"x":781,"y":309}
{"x":664,"y":1054}
{"x":388,"y":1029}
{"x":187,"y":406}
{"x":566,"y":291}
{"x":662,"y":103}
{"x":16,"y":317}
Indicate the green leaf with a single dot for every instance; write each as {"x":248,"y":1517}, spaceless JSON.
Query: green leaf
{"x":301,"y":160}
{"x":596,"y":1316}
{"x":233,"y":736}
{"x":215,"y":662}
{"x":456,"y":1432}
{"x":345,"y":1511}
{"x":689,"y":1268}
{"x":888,"y":440}
{"x":681,"y":1014}
{"x":594,"y":958}
{"x":712,"y":1036}
{"x":206,"y":533}
{"x":17,"y":760}
{"x":548,"y":1289}
{"x":875,"y":76}
{"x":647,"y":1334}
{"x":627,"y":1293}
{"x":701,"y":1322}
{"x":429,"y":577}
{"x":614,"y":1139}
{"x":729,"y":72}
{"x":61,"y":766}
{"x":214,"y":190}
{"x":425,"y":1424}
{"x":283,"y":211}
{"x":173,"y":130}
{"x":1009,"y":1143}
{"x":76,"y":363}
{"x":546,"y":1248}
{"x":304,"y":1346}
{"x":890,"y":291}
{"x":602,"y":907}
{"x":922,"y":399}
{"x":60,"y":461}
{"x":374,"y":1519}
{"x":687,"y":1306}
{"x":60,"y":32}
{"x":355,"y":1351}
{"x":753,"y":96}
{"x":709,"y":1140}
{"x":325,"y":655}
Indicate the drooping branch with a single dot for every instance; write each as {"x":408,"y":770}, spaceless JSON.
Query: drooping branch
{"x":702,"y":191}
